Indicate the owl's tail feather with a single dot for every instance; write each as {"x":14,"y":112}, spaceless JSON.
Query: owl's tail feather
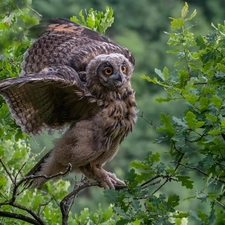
{"x":44,"y":170}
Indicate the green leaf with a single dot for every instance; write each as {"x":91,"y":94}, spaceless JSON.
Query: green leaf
{"x":202,"y":216}
{"x":160,"y":100}
{"x":107,"y":214}
{"x":192,"y":15}
{"x":192,"y":122}
{"x":184,"y":11}
{"x":136,"y":222}
{"x":215,"y":132}
{"x":223,"y":123}
{"x":200,"y":42}
{"x":84,"y":214}
{"x":221,"y":67}
{"x":160,"y":74}
{"x":122,"y":213}
{"x":179,"y":122}
{"x":177,"y":23}
{"x":166,"y":73}
{"x":185,"y":181}
{"x":139,"y":165}
{"x":167,"y":125}
{"x":216,"y":101}
{"x":173,"y":201}
{"x":211,"y":117}
{"x":203,"y":103}
{"x":190,"y":119}
{"x":155,"y":157}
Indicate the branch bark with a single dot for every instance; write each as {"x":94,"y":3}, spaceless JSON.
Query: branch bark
{"x":19,"y":217}
{"x":67,"y":201}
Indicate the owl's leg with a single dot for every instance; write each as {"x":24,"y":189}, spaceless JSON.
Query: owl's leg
{"x":97,"y":174}
{"x":105,"y":179}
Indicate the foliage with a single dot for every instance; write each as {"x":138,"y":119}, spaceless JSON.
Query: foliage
{"x":197,"y":138}
{"x":95,"y":20}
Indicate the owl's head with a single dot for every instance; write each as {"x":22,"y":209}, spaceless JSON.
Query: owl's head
{"x":110,"y":71}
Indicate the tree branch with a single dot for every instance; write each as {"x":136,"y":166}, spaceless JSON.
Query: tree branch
{"x":168,"y":178}
{"x":7,"y":171}
{"x":67,"y":201}
{"x":146,"y":184}
{"x":201,"y":171}
{"x":150,"y":123}
{"x":19,"y":217}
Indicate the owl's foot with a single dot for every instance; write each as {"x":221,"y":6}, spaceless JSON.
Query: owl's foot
{"x":114,"y":180}
{"x":106,"y":179}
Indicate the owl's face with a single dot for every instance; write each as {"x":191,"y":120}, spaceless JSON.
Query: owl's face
{"x":112,"y":71}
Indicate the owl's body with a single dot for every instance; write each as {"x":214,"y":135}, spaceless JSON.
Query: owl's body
{"x":74,"y":76}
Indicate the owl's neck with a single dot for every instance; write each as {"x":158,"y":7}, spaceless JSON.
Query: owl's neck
{"x":121,"y":101}
{"x":106,"y":95}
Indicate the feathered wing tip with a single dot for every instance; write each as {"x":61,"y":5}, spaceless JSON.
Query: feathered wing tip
{"x":47,"y":168}
{"x":47,"y":101}
{"x":37,"y":171}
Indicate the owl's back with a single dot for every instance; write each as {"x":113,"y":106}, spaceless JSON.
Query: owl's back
{"x":63,"y":42}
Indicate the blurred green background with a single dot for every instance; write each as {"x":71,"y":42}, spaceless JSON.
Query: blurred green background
{"x":139,"y":26}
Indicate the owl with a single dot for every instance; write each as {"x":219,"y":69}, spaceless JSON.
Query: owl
{"x":77,"y":78}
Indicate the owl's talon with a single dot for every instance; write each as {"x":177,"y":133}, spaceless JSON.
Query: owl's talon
{"x":111,"y":181}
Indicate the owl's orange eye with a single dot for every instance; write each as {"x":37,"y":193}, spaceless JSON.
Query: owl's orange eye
{"x":108,"y":71}
{"x":124,"y":69}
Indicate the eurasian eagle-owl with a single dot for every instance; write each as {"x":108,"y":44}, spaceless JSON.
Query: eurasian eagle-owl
{"x":74,"y":76}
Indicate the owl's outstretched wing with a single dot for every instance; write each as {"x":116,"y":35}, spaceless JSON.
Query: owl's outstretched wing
{"x":48,"y":100}
{"x":63,"y":42}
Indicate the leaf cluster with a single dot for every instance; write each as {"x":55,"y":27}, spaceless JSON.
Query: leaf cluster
{"x":95,"y":20}
{"x":197,"y":138}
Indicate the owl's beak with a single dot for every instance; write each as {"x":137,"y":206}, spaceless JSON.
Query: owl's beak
{"x":117,"y":77}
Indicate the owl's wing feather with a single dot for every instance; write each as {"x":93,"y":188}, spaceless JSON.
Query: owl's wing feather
{"x":48,"y":100}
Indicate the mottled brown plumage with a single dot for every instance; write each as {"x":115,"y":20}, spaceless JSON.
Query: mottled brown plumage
{"x":77,"y":77}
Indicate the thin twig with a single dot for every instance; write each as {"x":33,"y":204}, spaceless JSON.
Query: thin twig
{"x":151,"y":184}
{"x":19,"y":172}
{"x":160,"y":186}
{"x":150,"y":123}
{"x":150,"y":180}
{"x":201,"y":171}
{"x":43,"y":205}
{"x":7,"y":171}
{"x":179,"y":161}
{"x":168,"y":178}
